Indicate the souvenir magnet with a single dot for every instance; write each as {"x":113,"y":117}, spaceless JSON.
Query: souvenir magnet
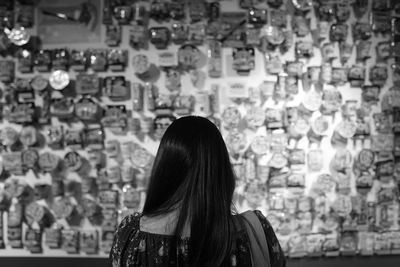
{"x":161,"y":123}
{"x":141,"y":65}
{"x":342,"y":12}
{"x":70,"y":241}
{"x":304,"y":49}
{"x":274,"y":118}
{"x":370,"y":94}
{"x":361,"y":31}
{"x":312,"y":100}
{"x":381,"y":21}
{"x":22,"y":113}
{"x":360,"y":7}
{"x":78,"y":60}
{"x":339,"y":76}
{"x":62,"y":108}
{"x":115,"y":119}
{"x":48,"y":162}
{"x":159,"y":37}
{"x":140,"y":13}
{"x":383,"y":51}
{"x":363,"y":50}
{"x":296,"y":157}
{"x":73,"y":161}
{"x":348,"y":243}
{"x":177,"y":10}
{"x":278,"y":18}
{"x":87,"y":84}
{"x":188,"y":57}
{"x":39,"y":83}
{"x":9,"y":136}
{"x":255,"y":117}
{"x":138,"y":37}
{"x":89,"y":241}
{"x":138,"y":96}
{"x":7,"y":71}
{"x":197,"y":10}
{"x":28,"y":136}
{"x":59,"y":79}
{"x":107,"y":240}
{"x":315,"y":160}
{"x":320,"y":125}
{"x":173,"y":79}
{"x":98,"y":59}
{"x":42,"y":60}
{"x":197,"y":33}
{"x":257,"y":17}
{"x":331,"y":101}
{"x":179,"y":33}
{"x":356,"y":75}
{"x":167,"y":59}
{"x":86,"y":109}
{"x":296,"y":180}
{"x":117,"y":59}
{"x":260,"y":144}
{"x":328,"y":52}
{"x":346,"y":128}
{"x":18,"y":35}
{"x":12,"y":162}
{"x":60,"y":59}
{"x":123,"y":14}
{"x":345,"y":51}
{"x":159,"y":11}
{"x":36,"y":213}
{"x":338,"y":32}
{"x":300,"y":25}
{"x":378,"y":74}
{"x":25,"y":61}
{"x":326,"y":12}
{"x":93,"y":136}
{"x":183,"y":104}
{"x":113,"y":35}
{"x":109,"y":198}
{"x":14,"y":225}
{"x":131,"y":197}
{"x":116,"y":88}
{"x":243,"y":60}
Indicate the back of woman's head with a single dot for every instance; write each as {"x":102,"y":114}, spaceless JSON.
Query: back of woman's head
{"x":192,"y":173}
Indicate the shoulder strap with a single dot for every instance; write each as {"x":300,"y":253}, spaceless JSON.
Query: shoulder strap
{"x":258,"y":242}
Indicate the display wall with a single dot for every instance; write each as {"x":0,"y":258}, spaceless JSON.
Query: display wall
{"x":305,"y":93}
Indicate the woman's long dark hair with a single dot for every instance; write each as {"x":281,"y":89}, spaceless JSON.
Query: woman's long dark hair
{"x":192,"y":173}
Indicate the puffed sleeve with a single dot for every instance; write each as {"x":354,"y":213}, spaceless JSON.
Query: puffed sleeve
{"x":121,"y":240}
{"x":277,"y":258}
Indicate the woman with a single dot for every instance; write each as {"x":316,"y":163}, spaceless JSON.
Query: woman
{"x":187,"y":219}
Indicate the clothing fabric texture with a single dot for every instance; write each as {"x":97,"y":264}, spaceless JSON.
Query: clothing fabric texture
{"x":135,"y":248}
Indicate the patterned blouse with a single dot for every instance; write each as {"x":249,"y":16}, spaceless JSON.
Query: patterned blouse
{"x":134,"y":248}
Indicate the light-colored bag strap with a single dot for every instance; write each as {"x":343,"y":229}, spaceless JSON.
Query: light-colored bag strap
{"x":258,"y":241}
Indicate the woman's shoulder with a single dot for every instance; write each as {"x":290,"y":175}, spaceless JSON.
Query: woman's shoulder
{"x":128,"y":223}
{"x":264,"y":221}
{"x":275,"y":250}
{"x":128,"y":226}
{"x":259,"y":215}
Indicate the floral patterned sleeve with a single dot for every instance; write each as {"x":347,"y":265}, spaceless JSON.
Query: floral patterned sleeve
{"x":121,"y":237}
{"x":274,"y":248}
